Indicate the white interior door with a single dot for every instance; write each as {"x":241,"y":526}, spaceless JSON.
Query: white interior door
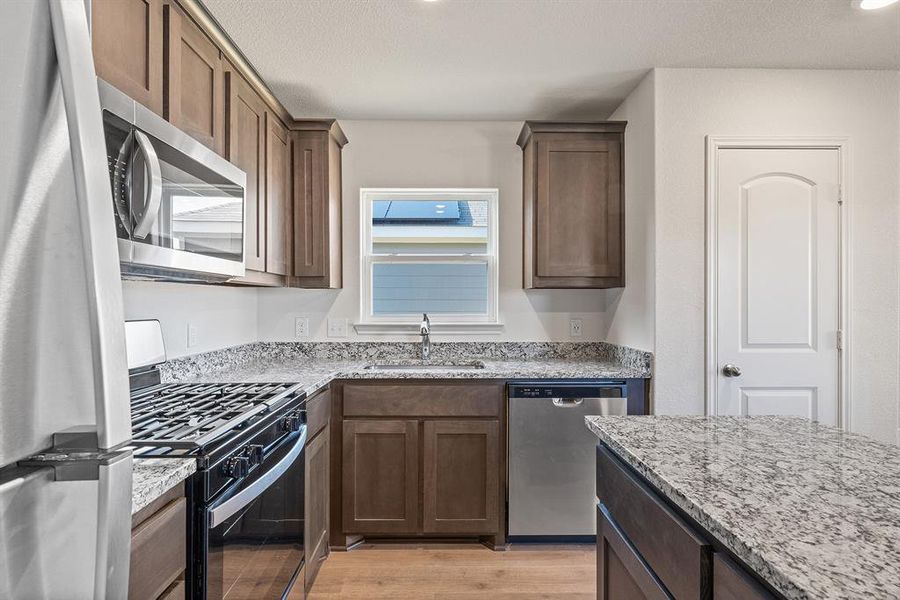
{"x":778,"y":295}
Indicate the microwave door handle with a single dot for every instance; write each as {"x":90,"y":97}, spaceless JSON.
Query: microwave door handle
{"x":247,"y":495}
{"x":122,"y":193}
{"x":153,"y":186}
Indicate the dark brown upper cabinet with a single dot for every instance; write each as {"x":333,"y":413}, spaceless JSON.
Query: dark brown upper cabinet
{"x":245,"y":146}
{"x":127,"y":39}
{"x":193,"y":80}
{"x":574,"y":212}
{"x":278,"y":189}
{"x":315,"y":238}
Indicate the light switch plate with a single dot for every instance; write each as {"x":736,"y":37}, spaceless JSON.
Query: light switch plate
{"x":575,"y":328}
{"x":192,"y":335}
{"x":337,"y":328}
{"x":301,"y":327}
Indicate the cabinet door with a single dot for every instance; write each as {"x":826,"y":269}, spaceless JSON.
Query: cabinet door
{"x":127,"y":40}
{"x":580,"y":221}
{"x":380,"y":476}
{"x":317,"y":482}
{"x":195,"y":92}
{"x":246,"y":148}
{"x":316,"y":232}
{"x":461,"y":476}
{"x":310,"y":231}
{"x":278,"y":179}
{"x":621,"y":572}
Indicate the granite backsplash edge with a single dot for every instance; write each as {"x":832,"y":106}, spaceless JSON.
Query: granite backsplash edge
{"x":208,"y":363}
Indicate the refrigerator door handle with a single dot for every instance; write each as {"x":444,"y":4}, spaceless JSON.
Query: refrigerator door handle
{"x":93,"y":194}
{"x":152,"y":186}
{"x":114,"y":527}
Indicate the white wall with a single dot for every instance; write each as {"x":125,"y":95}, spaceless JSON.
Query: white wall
{"x":860,"y":105}
{"x":224,"y":316}
{"x":439,"y":154}
{"x":633,"y":319}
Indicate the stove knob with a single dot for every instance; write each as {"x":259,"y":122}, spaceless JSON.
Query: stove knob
{"x":255,"y":453}
{"x":292,"y":422}
{"x":237,"y":466}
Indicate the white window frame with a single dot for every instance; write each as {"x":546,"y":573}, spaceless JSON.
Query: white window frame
{"x":442,"y":323}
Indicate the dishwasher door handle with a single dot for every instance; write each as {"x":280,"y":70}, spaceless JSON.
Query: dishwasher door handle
{"x":567,"y":402}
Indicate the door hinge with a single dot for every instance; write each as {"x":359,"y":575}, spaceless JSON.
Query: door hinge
{"x":840,"y":194}
{"x":840,"y":339}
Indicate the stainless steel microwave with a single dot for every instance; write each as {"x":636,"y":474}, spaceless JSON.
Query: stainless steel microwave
{"x":179,"y":206}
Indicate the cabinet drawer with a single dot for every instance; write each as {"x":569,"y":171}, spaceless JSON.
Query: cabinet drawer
{"x":318,"y":411}
{"x":158,"y":551}
{"x":415,"y":400}
{"x":621,"y":572}
{"x":731,"y":582}
{"x":674,"y":551}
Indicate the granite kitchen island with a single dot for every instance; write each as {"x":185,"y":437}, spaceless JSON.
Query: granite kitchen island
{"x":782,"y":506}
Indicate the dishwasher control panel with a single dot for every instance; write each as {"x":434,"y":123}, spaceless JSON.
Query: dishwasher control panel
{"x":595,"y":389}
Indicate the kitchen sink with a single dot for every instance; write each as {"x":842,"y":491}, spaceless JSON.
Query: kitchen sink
{"x":419,"y":365}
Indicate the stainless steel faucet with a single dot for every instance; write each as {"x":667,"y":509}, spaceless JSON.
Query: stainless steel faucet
{"x":425,"y":332}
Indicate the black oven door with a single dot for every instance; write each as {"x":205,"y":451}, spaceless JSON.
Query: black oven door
{"x":255,"y":549}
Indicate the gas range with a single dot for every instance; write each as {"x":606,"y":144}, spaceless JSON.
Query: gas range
{"x":247,"y":495}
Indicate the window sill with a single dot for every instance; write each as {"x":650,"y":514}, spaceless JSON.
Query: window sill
{"x":436,"y":328}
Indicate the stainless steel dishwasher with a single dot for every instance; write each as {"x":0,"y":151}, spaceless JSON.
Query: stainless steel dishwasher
{"x":552,"y":457}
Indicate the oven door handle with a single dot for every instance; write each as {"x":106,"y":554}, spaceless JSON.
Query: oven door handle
{"x":221,"y":512}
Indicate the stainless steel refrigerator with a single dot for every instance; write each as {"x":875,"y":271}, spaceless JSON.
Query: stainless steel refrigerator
{"x":65,"y":479}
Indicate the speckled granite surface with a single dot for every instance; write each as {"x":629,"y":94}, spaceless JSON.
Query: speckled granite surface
{"x":315,"y":364}
{"x":813,"y":510}
{"x":152,"y":477}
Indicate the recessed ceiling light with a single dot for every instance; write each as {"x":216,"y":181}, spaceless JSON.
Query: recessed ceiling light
{"x":875,"y":4}
{"x":440,"y":205}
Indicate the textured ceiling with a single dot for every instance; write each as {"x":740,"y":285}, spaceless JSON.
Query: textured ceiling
{"x":515,"y":59}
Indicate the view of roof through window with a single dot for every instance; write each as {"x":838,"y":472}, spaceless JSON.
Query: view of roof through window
{"x":429,"y":227}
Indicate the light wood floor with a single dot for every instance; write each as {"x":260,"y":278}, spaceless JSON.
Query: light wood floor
{"x":457,"y":572}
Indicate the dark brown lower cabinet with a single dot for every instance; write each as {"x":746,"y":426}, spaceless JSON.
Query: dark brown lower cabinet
{"x":380,"y":476}
{"x":461,"y":483}
{"x":731,"y":582}
{"x":646,"y":550}
{"x":158,"y":548}
{"x":316,"y":506}
{"x":418,"y":459}
{"x":621,"y":572}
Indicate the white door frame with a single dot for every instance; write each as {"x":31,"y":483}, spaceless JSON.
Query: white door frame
{"x":842,"y":145}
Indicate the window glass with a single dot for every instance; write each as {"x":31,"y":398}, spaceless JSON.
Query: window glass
{"x":399,"y":288}
{"x":429,"y":251}
{"x":429,"y":227}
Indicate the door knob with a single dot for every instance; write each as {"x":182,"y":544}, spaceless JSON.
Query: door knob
{"x":731,"y":370}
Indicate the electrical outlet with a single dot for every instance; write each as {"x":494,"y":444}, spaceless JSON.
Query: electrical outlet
{"x":192,"y":335}
{"x":301,"y":327}
{"x":337,"y":328}
{"x":574,"y":328}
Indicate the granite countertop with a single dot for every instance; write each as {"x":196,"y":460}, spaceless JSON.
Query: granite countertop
{"x":314,"y":365}
{"x":811,"y":509}
{"x":313,"y":375}
{"x":152,"y":477}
